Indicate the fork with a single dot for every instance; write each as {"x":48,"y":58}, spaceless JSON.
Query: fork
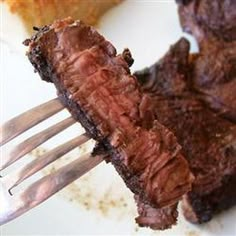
{"x":16,"y":204}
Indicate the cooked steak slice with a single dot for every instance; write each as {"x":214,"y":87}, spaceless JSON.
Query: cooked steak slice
{"x":207,"y":19}
{"x":95,"y":84}
{"x":208,"y":139}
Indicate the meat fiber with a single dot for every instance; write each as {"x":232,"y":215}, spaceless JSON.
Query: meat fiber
{"x":95,"y":84}
{"x":180,"y":85}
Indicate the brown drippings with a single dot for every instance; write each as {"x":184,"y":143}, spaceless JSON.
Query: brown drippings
{"x":192,"y":233}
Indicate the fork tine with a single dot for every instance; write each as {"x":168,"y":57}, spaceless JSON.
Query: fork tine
{"x":34,"y":141}
{"x":28,"y":119}
{"x":18,"y":176}
{"x":47,"y":186}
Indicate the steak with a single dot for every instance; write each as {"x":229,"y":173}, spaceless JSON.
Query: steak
{"x":213,"y":24}
{"x":96,"y":86}
{"x":208,"y":20}
{"x":194,"y":96}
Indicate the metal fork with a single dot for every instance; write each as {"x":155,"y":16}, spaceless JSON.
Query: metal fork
{"x":14,"y":205}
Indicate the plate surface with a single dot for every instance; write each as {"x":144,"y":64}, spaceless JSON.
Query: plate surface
{"x":98,"y":203}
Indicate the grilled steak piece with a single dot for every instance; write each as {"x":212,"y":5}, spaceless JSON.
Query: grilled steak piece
{"x":207,"y":19}
{"x":180,"y":96}
{"x":95,"y":84}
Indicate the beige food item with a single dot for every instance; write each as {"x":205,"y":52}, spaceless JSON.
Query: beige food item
{"x":42,"y":12}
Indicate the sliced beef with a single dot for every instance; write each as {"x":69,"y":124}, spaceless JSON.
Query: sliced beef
{"x":207,"y":19}
{"x":95,"y":84}
{"x":180,"y":95}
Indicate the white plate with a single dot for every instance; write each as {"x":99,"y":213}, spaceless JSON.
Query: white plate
{"x":98,"y":203}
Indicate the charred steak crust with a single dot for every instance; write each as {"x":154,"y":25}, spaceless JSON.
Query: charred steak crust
{"x":208,"y":139}
{"x":96,"y":86}
{"x":200,"y":208}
